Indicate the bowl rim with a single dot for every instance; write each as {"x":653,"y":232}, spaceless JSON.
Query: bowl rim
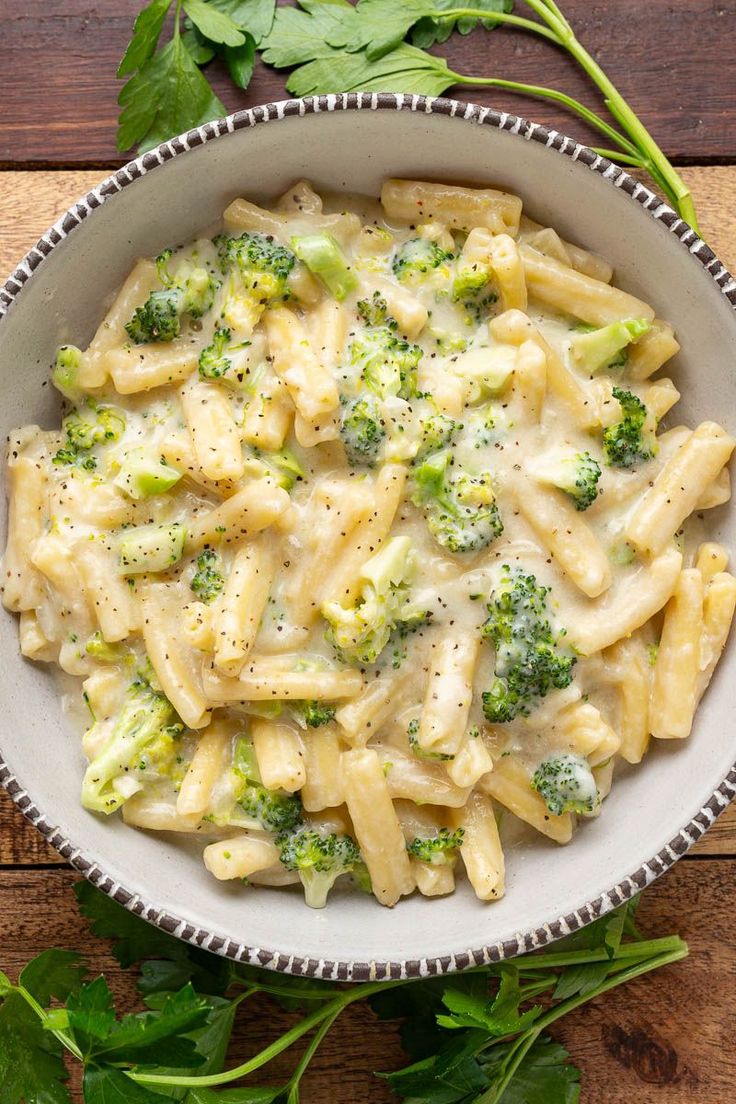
{"x":351,"y":970}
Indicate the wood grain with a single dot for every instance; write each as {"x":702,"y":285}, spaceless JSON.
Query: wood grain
{"x":674,"y":62}
{"x":665,"y":1039}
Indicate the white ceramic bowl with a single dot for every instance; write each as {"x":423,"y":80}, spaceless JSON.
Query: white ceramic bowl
{"x":353,"y":142}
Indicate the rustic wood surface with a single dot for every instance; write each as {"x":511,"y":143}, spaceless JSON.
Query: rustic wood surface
{"x":674,"y":61}
{"x":668,"y":1039}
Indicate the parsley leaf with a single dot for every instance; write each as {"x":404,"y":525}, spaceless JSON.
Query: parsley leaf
{"x":180,"y":1013}
{"x":254,"y":16}
{"x":166,"y":96}
{"x":53,"y":973}
{"x":381,"y":25}
{"x":135,"y":938}
{"x":214,"y":24}
{"x":240,"y":61}
{"x":31,"y":1068}
{"x":146,"y":33}
{"x":405,"y":69}
{"x":174,"y":962}
{"x":109,"y":1086}
{"x":91,"y":1014}
{"x":427,"y":31}
{"x":197,"y":46}
{"x":451,"y":1076}
{"x":300,"y":36}
{"x":544,"y":1076}
{"x":497,"y":1017}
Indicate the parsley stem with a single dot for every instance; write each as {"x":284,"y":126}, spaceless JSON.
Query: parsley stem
{"x":542,"y":92}
{"x":553,"y":960}
{"x":65,"y":1040}
{"x":496,"y":17}
{"x":526,"y":1041}
{"x":624,"y":158}
{"x":653,"y":158}
{"x":333,"y":1009}
{"x":635,"y":970}
{"x":292,"y":1088}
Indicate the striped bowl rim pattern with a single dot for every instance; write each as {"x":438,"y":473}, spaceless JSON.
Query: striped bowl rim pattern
{"x":522,"y":942}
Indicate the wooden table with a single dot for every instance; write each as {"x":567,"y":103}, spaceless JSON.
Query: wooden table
{"x":668,"y":1039}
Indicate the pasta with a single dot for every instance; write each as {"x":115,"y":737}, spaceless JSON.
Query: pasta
{"x":364,"y":540}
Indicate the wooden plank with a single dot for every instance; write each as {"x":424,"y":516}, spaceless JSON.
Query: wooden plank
{"x":674,"y":62}
{"x":665,"y":1039}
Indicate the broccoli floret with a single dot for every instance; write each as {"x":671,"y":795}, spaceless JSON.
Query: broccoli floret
{"x":324,"y":257}
{"x":530,"y":656}
{"x":208,"y":581}
{"x":275,"y":810}
{"x":93,"y":425}
{"x":482,"y":427}
{"x":86,"y":427}
{"x":66,"y":370}
{"x":575,"y":473}
{"x":461,"y":510}
{"x":416,"y":258}
{"x":566,"y":784}
{"x":262,"y":264}
{"x":472,"y":289}
{"x":374,"y":311}
{"x":320,"y":859}
{"x":213,"y":364}
{"x":439,"y":849}
{"x":388,"y":364}
{"x":313,"y":714}
{"x":257,"y":270}
{"x":190,"y":292}
{"x":418,"y":750}
{"x":362,"y":431}
{"x":143,"y":738}
{"x":361,"y":632}
{"x":159,"y":319}
{"x":68,"y":457}
{"x":631,"y":440}
{"x":607,"y":347}
{"x":437,"y":432}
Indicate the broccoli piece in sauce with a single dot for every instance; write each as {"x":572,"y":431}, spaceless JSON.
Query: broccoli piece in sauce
{"x":362,"y":431}
{"x":359,"y":633}
{"x":439,"y":850}
{"x":142,"y":738}
{"x":208,"y":581}
{"x":632,"y":440}
{"x":530,"y":656}
{"x":566,"y":784}
{"x":461,"y":509}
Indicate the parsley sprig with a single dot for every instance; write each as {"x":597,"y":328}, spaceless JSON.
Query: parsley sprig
{"x":480,"y":1037}
{"x":374,"y":45}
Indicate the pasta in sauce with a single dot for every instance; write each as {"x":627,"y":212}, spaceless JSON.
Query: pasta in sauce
{"x":363,"y":536}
